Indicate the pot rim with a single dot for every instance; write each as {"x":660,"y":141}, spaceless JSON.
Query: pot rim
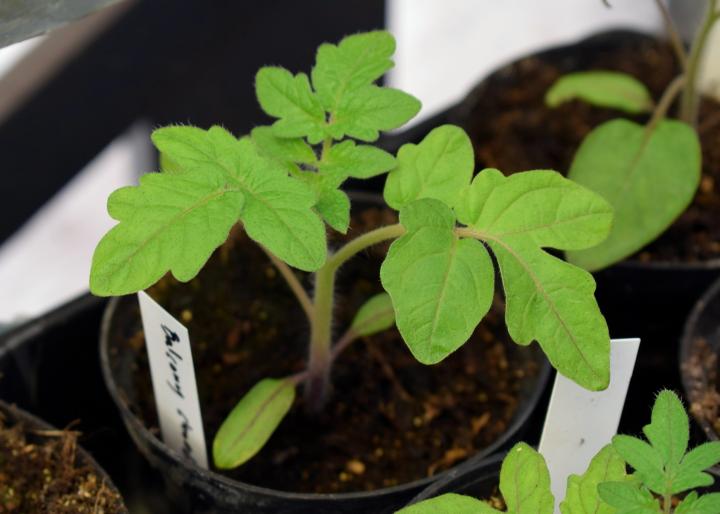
{"x":524,"y":412}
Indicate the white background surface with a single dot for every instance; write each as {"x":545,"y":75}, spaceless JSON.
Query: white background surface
{"x":443,"y":48}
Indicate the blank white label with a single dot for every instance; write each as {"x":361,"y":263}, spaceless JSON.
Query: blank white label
{"x":173,"y":378}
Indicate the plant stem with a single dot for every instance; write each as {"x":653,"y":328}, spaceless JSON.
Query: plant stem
{"x":320,"y":358}
{"x":667,"y":503}
{"x":673,"y":34}
{"x":665,"y":102}
{"x":690,"y":99}
{"x":293,"y":282}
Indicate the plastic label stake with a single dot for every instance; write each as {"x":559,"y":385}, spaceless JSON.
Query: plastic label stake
{"x":580,"y":422}
{"x":173,"y":378}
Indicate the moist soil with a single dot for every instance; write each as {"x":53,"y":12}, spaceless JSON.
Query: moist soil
{"x":513,"y":130}
{"x":41,"y":472}
{"x":390,"y":420}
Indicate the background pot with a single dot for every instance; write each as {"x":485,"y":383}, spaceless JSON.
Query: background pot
{"x":199,"y":490}
{"x":699,"y":353}
{"x":14,"y":415}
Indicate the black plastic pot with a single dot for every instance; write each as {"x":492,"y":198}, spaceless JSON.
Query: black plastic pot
{"x":14,"y":415}
{"x":699,"y":354}
{"x":201,"y":491}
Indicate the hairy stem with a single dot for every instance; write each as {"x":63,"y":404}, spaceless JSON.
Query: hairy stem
{"x":673,"y":34}
{"x":293,"y":282}
{"x":320,"y":359}
{"x":665,"y":102}
{"x":690,"y":99}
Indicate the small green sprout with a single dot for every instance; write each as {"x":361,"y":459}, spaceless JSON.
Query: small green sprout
{"x":282,"y":183}
{"x":663,"y":469}
{"x":649,"y":173}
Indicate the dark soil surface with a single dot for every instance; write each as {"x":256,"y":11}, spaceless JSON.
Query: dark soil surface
{"x":701,"y":372}
{"x":513,"y":130}
{"x":390,"y":420}
{"x":40,"y":472}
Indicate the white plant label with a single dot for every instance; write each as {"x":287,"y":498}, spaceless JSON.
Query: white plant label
{"x":580,"y":422}
{"x":173,"y":378}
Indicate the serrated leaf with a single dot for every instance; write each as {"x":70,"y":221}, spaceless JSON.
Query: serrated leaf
{"x":278,"y":209}
{"x":440,"y":286}
{"x":168,"y":223}
{"x":706,"y":504}
{"x":646,"y":460}
{"x":602,"y":88}
{"x":450,"y":503}
{"x":372,"y":109}
{"x":440,"y":167}
{"x":648,"y":177}
{"x":357,"y":61}
{"x":251,"y":423}
{"x":287,"y":151}
{"x":525,"y":482}
{"x":290,"y":98}
{"x":628,"y":498}
{"x":347,"y":159}
{"x":669,"y":429}
{"x":582,"y":494}
{"x":690,"y":472}
{"x":375,"y":315}
{"x":547,"y":300}
{"x":334,"y":206}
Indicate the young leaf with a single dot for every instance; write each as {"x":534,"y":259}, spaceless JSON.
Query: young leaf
{"x":441,"y":286}
{"x":450,"y":503}
{"x":628,"y":498}
{"x":287,"y":151}
{"x":168,"y":223}
{"x":278,"y":209}
{"x":347,"y":159}
{"x":334,"y":206}
{"x":439,"y":167}
{"x":251,"y":423}
{"x":374,"y":316}
{"x":525,"y":482}
{"x":357,"y":61}
{"x":582,"y":490}
{"x":290,"y":98}
{"x":648,"y":177}
{"x":371,"y":109}
{"x":547,"y":300}
{"x":690,"y":473}
{"x":706,"y":504}
{"x":669,"y":429}
{"x":647,"y":461}
{"x":602,"y":88}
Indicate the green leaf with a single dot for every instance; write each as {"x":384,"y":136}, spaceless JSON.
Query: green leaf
{"x":290,"y":98}
{"x":648,"y":177}
{"x":347,"y":159}
{"x":582,"y":490}
{"x":334,"y":206}
{"x":441,"y":286}
{"x":647,"y":461}
{"x":690,"y":473}
{"x":168,"y":223}
{"x":547,"y":300}
{"x":287,"y":151}
{"x":278,"y":209}
{"x":450,"y":503}
{"x":372,"y":109}
{"x":628,"y":498}
{"x":525,"y":482}
{"x":357,"y":61}
{"x":168,"y":166}
{"x":706,"y":504}
{"x":440,"y":167}
{"x":251,"y":423}
{"x":602,"y":88}
{"x":374,"y":316}
{"x":669,"y":429}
